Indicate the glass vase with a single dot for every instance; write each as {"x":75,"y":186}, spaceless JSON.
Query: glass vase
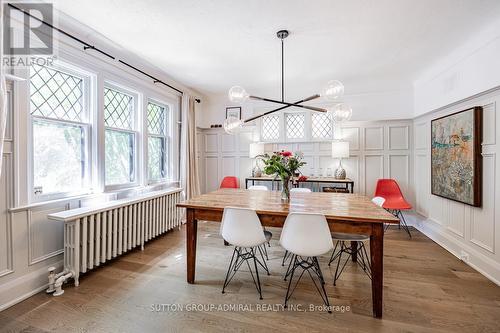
{"x":285,"y":189}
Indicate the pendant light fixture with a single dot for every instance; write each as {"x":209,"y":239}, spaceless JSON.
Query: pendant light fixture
{"x":332,"y":91}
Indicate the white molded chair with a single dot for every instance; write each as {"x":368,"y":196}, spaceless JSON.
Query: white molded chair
{"x":241,"y":227}
{"x":294,"y":190}
{"x":300,"y":189}
{"x":258,"y":188}
{"x":306,"y":236}
{"x":379,"y":201}
{"x":267,"y":233}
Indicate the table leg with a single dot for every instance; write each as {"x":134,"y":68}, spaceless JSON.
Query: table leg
{"x":191,"y":235}
{"x":377,"y":259}
{"x":354,"y":249}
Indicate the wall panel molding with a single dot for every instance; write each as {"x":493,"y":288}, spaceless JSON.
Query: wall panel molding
{"x":50,"y":232}
{"x":364,"y":166}
{"x":399,"y":137}
{"x":472,"y":232}
{"x":374,"y":138}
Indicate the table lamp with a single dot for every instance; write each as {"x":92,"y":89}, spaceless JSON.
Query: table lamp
{"x":256,"y":149}
{"x":340,"y":150}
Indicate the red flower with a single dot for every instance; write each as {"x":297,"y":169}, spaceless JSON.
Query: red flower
{"x":286,"y":154}
{"x":302,"y":178}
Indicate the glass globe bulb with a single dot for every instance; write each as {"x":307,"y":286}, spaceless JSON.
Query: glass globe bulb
{"x":237,"y":94}
{"x":333,"y":90}
{"x":232,"y":125}
{"x":340,"y":112}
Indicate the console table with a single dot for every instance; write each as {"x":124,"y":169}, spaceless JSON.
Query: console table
{"x":316,"y":182}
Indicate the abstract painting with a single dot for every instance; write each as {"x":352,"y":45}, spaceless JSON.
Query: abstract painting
{"x":456,"y":163}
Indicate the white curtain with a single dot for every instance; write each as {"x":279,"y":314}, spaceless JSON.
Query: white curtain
{"x":189,"y":161}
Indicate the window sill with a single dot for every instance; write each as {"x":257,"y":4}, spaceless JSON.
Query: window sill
{"x":139,"y":189}
{"x":50,"y":202}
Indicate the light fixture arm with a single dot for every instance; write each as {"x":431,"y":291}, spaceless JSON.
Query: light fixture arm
{"x":313,"y":108}
{"x":287,"y":105}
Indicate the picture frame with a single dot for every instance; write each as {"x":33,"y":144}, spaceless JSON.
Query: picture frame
{"x":233,"y":111}
{"x":456,"y":160}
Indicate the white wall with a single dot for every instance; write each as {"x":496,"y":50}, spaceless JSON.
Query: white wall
{"x":379,"y":149}
{"x":470,"y":233}
{"x":385,"y":105}
{"x":471,"y":69}
{"x":469,"y":76}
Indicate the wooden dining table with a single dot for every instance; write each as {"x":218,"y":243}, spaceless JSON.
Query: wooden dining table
{"x":348,"y":213}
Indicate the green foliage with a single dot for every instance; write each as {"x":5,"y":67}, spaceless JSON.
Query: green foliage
{"x":283,"y":164}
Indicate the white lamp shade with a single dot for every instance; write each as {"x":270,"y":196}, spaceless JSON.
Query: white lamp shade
{"x":256,"y":149}
{"x":340,"y":149}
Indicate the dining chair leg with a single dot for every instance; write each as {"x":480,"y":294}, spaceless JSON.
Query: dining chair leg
{"x":334,"y":254}
{"x":259,"y":288}
{"x":365,"y":260}
{"x":323,"y":295}
{"x":229,"y":269}
{"x":307,"y":264}
{"x":240,"y":256}
{"x":263,"y":263}
{"x":288,"y":270}
{"x":265,"y":250}
{"x":288,"y":295}
{"x":402,"y":219}
{"x":339,"y":258}
{"x":318,"y":270}
{"x":285,"y":257}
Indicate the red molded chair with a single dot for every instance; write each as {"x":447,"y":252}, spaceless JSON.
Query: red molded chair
{"x":394,"y":199}
{"x":230,"y":182}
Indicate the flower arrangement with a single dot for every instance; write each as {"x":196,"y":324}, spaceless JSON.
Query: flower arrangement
{"x":285,"y":165}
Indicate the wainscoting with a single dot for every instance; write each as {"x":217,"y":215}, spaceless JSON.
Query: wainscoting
{"x":378,"y":150}
{"x":470,"y":233}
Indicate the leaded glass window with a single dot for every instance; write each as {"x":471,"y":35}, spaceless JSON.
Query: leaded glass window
{"x":118,"y":109}
{"x":60,"y":132}
{"x":321,"y":126}
{"x":270,"y":127}
{"x":120,"y":137}
{"x":55,"y":94}
{"x":295,"y":125}
{"x":157,"y":123}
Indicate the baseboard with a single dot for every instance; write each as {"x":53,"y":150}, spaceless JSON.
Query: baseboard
{"x":26,"y":285}
{"x":478,"y":261}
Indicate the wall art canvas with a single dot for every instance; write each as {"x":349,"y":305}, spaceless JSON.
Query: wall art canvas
{"x":456,"y":163}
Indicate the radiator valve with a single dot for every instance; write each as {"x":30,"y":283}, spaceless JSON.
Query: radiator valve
{"x":52,"y":280}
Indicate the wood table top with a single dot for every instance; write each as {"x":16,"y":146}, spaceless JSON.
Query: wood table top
{"x":335,"y":206}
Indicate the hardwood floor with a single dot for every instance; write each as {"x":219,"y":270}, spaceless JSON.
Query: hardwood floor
{"x":426,"y":289}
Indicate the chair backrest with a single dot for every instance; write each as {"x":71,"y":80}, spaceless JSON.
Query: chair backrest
{"x":241,"y":227}
{"x":379,"y":201}
{"x":301,"y":189}
{"x":306,"y":234}
{"x":230,"y":182}
{"x":258,"y":188}
{"x":388,"y":188}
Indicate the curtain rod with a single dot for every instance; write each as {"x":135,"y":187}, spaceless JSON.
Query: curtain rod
{"x":87,"y":46}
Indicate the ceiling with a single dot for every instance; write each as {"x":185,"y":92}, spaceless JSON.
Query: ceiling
{"x":211,"y":45}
